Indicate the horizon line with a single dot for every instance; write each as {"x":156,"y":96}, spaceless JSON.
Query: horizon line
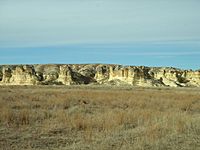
{"x":124,"y":65}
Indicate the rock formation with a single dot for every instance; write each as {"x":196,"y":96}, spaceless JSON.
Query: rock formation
{"x":98,"y":74}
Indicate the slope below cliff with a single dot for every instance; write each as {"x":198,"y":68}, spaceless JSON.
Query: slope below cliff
{"x":97,"y":74}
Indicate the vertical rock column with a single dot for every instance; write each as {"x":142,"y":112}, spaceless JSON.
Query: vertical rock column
{"x":7,"y":74}
{"x":65,"y":75}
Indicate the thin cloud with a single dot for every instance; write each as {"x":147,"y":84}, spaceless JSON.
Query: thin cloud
{"x":151,"y":53}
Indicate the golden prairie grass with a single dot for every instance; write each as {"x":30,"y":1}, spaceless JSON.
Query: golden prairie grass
{"x":87,"y":118}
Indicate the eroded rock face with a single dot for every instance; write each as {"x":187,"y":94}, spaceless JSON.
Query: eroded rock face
{"x":65,"y":76}
{"x":97,"y":74}
{"x":7,"y":74}
{"x":192,"y":78}
{"x":102,"y":73}
{"x":23,"y":75}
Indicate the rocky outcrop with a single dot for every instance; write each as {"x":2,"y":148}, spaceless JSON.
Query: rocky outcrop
{"x":97,"y":74}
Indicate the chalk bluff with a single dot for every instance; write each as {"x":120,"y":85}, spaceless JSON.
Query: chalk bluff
{"x":104,"y":74}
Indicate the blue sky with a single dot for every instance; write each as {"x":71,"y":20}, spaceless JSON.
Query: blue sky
{"x":129,"y":32}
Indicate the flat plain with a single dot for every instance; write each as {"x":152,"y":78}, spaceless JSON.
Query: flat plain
{"x":99,"y":117}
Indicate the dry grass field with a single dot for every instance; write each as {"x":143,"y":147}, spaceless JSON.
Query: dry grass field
{"x":102,"y":118}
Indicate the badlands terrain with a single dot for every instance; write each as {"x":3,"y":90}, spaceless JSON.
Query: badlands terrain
{"x":99,"y":74}
{"x":103,"y":107}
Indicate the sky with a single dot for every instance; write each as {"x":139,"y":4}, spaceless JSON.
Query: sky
{"x":128,"y":32}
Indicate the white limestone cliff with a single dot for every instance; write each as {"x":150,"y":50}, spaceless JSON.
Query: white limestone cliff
{"x":98,"y":74}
